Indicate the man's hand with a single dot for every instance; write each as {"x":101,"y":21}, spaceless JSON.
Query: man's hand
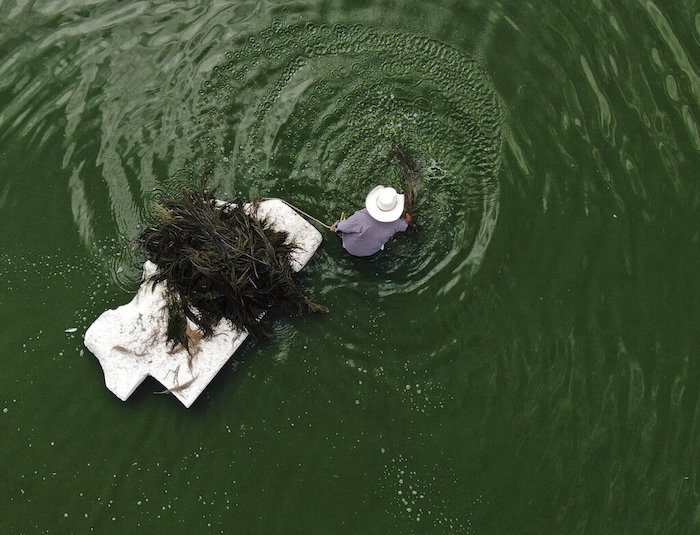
{"x":408,"y":217}
{"x":333,"y":228}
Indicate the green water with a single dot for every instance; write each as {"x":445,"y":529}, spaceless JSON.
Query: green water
{"x":525,"y":363}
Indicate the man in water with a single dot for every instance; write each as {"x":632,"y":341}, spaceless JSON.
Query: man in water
{"x":366,"y":231}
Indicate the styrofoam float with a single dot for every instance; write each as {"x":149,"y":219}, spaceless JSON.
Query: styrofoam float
{"x":130,"y":341}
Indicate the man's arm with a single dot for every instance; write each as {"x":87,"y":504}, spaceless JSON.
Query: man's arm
{"x":403,"y":223}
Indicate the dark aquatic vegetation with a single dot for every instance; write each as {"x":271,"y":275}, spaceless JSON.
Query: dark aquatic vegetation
{"x":219,"y":262}
{"x":410,"y":174}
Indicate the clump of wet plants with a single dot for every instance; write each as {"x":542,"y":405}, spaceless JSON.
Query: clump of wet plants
{"x":402,"y":157}
{"x":219,"y":261}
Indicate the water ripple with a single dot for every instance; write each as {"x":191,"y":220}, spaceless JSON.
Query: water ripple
{"x":310,"y":112}
{"x":307,"y":112}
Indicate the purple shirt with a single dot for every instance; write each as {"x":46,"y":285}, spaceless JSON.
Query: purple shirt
{"x":363,"y":235}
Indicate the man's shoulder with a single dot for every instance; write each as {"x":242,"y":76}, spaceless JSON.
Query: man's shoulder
{"x":360,"y":215}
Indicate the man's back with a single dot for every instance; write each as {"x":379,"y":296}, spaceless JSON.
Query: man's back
{"x":363,"y":235}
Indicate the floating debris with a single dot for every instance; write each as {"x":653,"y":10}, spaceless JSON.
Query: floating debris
{"x":131,"y":342}
{"x":220,"y":262}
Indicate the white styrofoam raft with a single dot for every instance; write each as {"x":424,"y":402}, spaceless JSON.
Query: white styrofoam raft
{"x":130,"y":341}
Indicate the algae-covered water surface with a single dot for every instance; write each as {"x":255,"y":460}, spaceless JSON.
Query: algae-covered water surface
{"x":526,"y":361}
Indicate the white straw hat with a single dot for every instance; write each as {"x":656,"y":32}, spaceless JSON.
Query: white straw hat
{"x":384,"y":204}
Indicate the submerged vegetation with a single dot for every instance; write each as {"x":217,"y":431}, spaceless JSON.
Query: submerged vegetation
{"x":410,"y":174}
{"x":219,"y":261}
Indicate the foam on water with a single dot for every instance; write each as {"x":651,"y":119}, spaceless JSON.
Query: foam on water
{"x":417,"y":502}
